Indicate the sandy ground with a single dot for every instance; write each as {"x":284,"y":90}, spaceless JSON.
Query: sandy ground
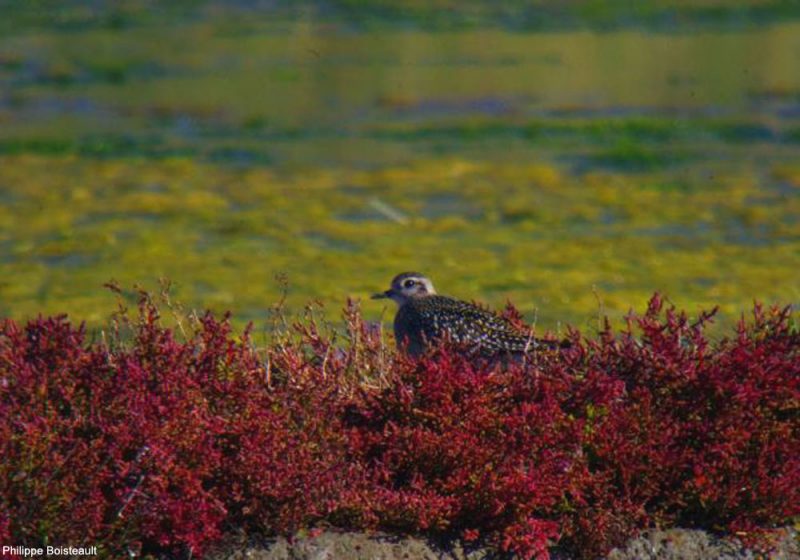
{"x":673,"y":544}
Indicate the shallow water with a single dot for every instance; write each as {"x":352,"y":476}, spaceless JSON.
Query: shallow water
{"x":557,"y":168}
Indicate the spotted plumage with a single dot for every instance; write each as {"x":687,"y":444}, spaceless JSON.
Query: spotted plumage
{"x":424,"y":318}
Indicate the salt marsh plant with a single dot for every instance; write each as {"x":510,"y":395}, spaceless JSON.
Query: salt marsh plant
{"x":155,"y":441}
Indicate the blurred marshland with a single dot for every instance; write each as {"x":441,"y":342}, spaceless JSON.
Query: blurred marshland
{"x":572,"y":157}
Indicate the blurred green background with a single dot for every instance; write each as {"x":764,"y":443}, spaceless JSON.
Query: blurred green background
{"x":573,"y":157}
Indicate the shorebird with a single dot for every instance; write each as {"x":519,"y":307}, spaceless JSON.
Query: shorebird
{"x":424,"y":318}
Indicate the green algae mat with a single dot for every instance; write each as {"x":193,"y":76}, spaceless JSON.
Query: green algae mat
{"x":570,"y":160}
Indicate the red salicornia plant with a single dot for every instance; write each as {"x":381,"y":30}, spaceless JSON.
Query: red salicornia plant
{"x":158,"y":443}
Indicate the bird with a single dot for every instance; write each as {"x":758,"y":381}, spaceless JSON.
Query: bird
{"x":424,"y":318}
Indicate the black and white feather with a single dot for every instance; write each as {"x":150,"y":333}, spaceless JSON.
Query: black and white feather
{"x":425,"y":318}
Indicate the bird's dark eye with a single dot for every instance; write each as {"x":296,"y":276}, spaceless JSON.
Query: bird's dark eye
{"x":409,"y":283}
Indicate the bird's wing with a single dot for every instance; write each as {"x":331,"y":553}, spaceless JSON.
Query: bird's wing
{"x":469,"y":324}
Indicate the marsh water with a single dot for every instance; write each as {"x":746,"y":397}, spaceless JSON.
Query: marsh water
{"x":572,"y":170}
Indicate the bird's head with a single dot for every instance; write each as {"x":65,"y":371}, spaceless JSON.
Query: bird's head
{"x":407,"y":286}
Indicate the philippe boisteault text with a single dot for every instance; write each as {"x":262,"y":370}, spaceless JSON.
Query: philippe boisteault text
{"x":33,"y":552}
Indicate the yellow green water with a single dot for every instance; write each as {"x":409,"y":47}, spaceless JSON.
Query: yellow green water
{"x":557,"y":168}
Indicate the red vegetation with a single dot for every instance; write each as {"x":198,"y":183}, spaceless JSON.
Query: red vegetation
{"x":155,"y":444}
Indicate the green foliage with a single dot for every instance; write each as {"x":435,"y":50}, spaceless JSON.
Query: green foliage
{"x":573,"y":172}
{"x":526,"y":232}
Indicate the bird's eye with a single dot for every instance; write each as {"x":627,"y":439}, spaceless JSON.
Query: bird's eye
{"x":409,"y":283}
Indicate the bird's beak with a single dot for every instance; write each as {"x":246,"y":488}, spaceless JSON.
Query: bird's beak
{"x":382,"y":295}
